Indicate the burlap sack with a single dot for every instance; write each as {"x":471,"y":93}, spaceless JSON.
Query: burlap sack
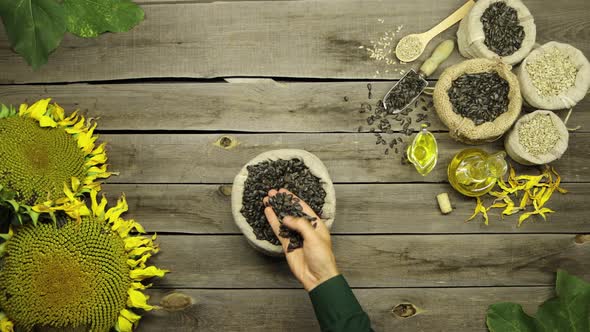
{"x":470,"y":36}
{"x":519,"y":154}
{"x":568,"y":98}
{"x":464,"y":129}
{"x":316,"y":167}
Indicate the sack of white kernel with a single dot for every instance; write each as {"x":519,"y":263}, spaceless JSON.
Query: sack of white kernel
{"x":503,"y":29}
{"x":554,"y":76}
{"x":537,"y":138}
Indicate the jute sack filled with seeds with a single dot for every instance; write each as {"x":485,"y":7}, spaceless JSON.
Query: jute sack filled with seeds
{"x":497,"y":28}
{"x":554,"y":76}
{"x":298,"y":171}
{"x":537,"y":138}
{"x":478,"y":100}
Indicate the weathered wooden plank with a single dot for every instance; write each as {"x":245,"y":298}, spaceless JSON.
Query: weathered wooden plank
{"x":361,"y":209}
{"x":272,"y":39}
{"x":253,"y":107}
{"x":227,"y":261}
{"x":197,"y":158}
{"x":461,"y":310}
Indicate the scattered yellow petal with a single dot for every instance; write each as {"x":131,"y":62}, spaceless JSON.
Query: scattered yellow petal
{"x":138,"y":299}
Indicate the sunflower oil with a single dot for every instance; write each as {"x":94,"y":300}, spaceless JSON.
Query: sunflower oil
{"x":423,"y":153}
{"x":474,"y":172}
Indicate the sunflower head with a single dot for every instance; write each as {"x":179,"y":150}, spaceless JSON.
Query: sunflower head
{"x":42,"y":151}
{"x":85,"y":273}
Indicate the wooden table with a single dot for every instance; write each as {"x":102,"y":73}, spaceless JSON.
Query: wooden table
{"x":164,"y":100}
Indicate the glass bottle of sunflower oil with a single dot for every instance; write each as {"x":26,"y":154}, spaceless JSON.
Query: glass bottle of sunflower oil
{"x":474,"y":172}
{"x":423,"y":153}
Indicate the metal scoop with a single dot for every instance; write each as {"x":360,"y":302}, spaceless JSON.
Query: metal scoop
{"x":413,"y":83}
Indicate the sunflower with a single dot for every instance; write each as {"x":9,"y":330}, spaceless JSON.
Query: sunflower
{"x":42,"y":151}
{"x":71,"y":273}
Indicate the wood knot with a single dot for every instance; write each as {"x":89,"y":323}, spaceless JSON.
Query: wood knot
{"x":225,"y":190}
{"x":404,"y":310}
{"x":226,"y":142}
{"x":176,"y":302}
{"x":582,"y":238}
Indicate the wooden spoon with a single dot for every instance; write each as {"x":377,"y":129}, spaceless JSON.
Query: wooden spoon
{"x":425,"y":37}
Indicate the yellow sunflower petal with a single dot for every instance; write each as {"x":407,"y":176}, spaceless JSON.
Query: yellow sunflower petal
{"x":136,"y":241}
{"x":57,"y":112}
{"x":22,"y":110}
{"x":5,"y":324}
{"x":127,"y":320}
{"x":123,"y":325}
{"x":138,"y":299}
{"x":139,"y":262}
{"x":75,"y":184}
{"x":46,"y":121}
{"x":148,"y":272}
{"x":140,"y":286}
{"x":141,"y":251}
{"x":114,"y":213}
{"x":38,"y":109}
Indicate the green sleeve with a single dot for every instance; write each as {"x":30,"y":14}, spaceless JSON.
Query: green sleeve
{"x":337,"y":309}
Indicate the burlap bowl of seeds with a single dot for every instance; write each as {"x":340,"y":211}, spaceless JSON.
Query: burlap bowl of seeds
{"x":554,"y":76}
{"x":502,"y":29}
{"x":493,"y":120}
{"x":537,"y":138}
{"x":298,"y":171}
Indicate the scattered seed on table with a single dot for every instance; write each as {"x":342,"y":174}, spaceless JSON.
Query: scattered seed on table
{"x":345,"y":98}
{"x":365,"y":107}
{"x":386,"y":151}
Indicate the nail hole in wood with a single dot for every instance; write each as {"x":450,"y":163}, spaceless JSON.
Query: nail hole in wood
{"x":404,"y":310}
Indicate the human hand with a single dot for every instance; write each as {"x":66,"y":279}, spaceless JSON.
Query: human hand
{"x":314,"y":263}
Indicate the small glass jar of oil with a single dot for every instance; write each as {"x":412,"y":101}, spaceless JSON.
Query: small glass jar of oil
{"x":423,"y":153}
{"x":474,"y":172}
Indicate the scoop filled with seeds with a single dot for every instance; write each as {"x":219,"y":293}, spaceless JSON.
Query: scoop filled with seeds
{"x":502,"y":29}
{"x":298,"y":171}
{"x":554,"y":76}
{"x":537,"y":138}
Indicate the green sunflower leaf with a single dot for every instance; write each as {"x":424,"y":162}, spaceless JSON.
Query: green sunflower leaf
{"x":34,"y":27}
{"x":90,"y":18}
{"x":509,"y":317}
{"x":569,"y":311}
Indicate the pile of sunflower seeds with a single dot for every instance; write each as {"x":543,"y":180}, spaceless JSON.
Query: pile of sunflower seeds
{"x":539,"y":135}
{"x":287,"y":205}
{"x":481,"y":97}
{"x":381,"y":122}
{"x":552,"y":72}
{"x":502,"y":29}
{"x":292,"y":175}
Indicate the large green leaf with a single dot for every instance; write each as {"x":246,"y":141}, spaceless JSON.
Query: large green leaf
{"x":509,"y":317}
{"x":34,"y":27}
{"x":90,"y":18}
{"x":568,"y":312}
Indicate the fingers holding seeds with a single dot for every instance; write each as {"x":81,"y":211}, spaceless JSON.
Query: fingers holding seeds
{"x":274,"y":222}
{"x":317,"y":223}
